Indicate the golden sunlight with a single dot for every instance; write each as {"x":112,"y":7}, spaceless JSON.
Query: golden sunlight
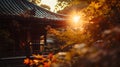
{"x":50,"y":3}
{"x":76,"y":19}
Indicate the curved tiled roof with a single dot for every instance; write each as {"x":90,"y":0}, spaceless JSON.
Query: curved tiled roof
{"x":17,"y":7}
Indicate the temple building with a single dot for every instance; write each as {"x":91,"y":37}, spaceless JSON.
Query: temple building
{"x":27,"y":23}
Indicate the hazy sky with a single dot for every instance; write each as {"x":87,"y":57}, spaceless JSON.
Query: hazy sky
{"x":50,"y":3}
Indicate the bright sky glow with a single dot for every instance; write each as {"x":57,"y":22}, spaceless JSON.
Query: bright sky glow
{"x":50,"y":3}
{"x":76,"y":19}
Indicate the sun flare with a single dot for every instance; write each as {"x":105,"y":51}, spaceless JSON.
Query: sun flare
{"x":76,"y":19}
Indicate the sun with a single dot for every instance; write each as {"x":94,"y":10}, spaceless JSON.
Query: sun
{"x":50,"y":3}
{"x":76,"y":19}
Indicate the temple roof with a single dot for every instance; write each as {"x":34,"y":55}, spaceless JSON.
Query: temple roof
{"x":18,"y":7}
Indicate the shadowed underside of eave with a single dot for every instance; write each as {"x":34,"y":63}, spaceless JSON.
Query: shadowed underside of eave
{"x":32,"y":20}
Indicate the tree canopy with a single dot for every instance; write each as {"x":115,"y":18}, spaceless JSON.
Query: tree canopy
{"x":98,"y":16}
